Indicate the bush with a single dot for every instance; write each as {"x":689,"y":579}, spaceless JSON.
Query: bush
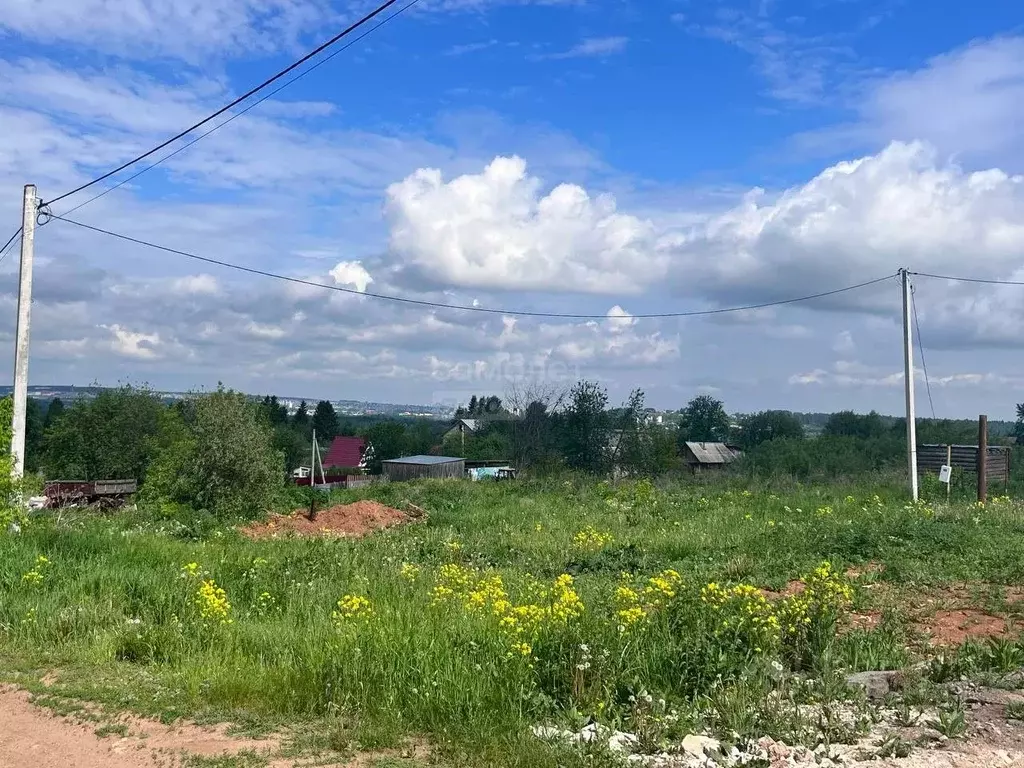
{"x":221,"y":459}
{"x":115,"y":435}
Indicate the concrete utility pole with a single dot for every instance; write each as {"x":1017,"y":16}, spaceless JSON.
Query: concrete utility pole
{"x":28,"y":231}
{"x":908,"y":378}
{"x":983,"y":458}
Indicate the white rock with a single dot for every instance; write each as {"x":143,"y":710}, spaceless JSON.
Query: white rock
{"x":700,"y":746}
{"x":550,"y":733}
{"x":591,"y":733}
{"x":623,"y":743}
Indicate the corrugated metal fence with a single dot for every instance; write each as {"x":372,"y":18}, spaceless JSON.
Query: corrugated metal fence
{"x":930,"y":458}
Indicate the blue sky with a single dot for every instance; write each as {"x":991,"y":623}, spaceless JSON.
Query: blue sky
{"x":581,"y":156}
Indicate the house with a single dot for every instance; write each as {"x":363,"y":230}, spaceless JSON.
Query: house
{"x":700,"y":456}
{"x":300,"y":472}
{"x":463,"y":427}
{"x":345,"y":451}
{"x":412,"y":467}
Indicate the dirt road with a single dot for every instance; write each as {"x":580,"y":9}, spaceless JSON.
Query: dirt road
{"x":33,"y":737}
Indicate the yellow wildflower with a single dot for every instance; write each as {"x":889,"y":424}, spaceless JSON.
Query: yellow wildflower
{"x":352,"y":608}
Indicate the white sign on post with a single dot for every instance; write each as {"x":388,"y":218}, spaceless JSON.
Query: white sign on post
{"x":944,"y":473}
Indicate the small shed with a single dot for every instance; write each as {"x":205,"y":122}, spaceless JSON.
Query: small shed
{"x":413,"y":467}
{"x":709,"y":455}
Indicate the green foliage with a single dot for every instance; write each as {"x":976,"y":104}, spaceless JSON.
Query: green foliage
{"x":825,"y":457}
{"x":221,"y":459}
{"x":115,"y":435}
{"x":114,"y":614}
{"x":585,"y":428}
{"x":301,"y":417}
{"x":704,"y":420}
{"x":643,"y":448}
{"x":492,"y":444}
{"x":769,"y":425}
{"x":385,"y":440}
{"x":849,"y":424}
{"x":325,"y":421}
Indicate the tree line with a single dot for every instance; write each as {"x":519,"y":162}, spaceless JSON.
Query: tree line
{"x":224,"y":451}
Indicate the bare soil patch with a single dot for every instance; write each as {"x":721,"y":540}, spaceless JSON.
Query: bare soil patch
{"x":34,"y":736}
{"x":953,"y":627}
{"x":347,"y":520}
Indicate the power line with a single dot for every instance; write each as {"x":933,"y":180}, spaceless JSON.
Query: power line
{"x":969,"y":279}
{"x":465,"y":307}
{"x":323,"y":46}
{"x":241,"y":112}
{"x":8,"y":244}
{"x":920,"y":346}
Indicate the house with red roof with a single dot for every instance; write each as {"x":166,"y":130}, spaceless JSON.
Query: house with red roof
{"x":345,"y":451}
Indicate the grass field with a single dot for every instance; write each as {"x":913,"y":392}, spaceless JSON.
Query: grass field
{"x":659,"y":611}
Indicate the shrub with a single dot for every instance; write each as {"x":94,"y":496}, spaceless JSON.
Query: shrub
{"x":221,"y":458}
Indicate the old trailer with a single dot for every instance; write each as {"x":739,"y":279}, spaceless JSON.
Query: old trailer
{"x":105,"y":493}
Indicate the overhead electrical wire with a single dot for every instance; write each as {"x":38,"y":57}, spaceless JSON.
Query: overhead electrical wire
{"x":968,"y":279}
{"x":251,"y":92}
{"x":464,"y":307}
{"x":8,"y":245}
{"x":239,"y":113}
{"x":920,"y":347}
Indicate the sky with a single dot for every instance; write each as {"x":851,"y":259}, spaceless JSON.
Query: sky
{"x":607,"y":158}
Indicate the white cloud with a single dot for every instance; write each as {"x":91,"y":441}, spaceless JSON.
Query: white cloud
{"x":967,"y":102}
{"x":856,"y":221}
{"x":461,"y":50}
{"x":497,"y":229}
{"x":133,"y":343}
{"x":591,"y":47}
{"x":844,"y":343}
{"x":351,"y":273}
{"x":619,"y":319}
{"x":205,"y":284}
{"x":183,"y":28}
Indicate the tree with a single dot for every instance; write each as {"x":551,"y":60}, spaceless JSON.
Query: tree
{"x":53,"y":413}
{"x":325,"y":421}
{"x":274,"y":412}
{"x":532,"y":436}
{"x":221,"y":459}
{"x":850,"y":424}
{"x":704,"y":421}
{"x":1018,"y":427}
{"x":34,"y":422}
{"x":472,"y":405}
{"x":115,"y":435}
{"x":643,"y":448}
{"x":385,"y":440}
{"x":301,"y":417}
{"x":769,"y":425}
{"x":585,"y":428}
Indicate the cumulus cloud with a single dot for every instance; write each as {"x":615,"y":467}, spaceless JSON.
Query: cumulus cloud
{"x":135,"y":344}
{"x":855,"y":221}
{"x":619,"y":319}
{"x":498,"y":229}
{"x":351,"y":273}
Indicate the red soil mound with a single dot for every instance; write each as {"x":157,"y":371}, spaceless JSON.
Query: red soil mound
{"x":353,"y":520}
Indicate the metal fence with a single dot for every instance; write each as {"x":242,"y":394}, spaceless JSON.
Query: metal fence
{"x":930,"y":458}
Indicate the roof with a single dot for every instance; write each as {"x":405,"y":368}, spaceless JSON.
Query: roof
{"x":712,"y":453}
{"x":471,"y":424}
{"x":424,"y":460}
{"x":345,"y":452}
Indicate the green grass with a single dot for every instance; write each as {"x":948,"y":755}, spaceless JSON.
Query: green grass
{"x":114,"y":615}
